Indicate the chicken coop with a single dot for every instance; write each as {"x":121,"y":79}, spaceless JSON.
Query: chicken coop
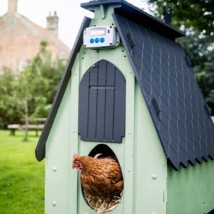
{"x":129,"y":91}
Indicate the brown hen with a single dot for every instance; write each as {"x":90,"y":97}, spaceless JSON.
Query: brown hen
{"x":101,"y":181}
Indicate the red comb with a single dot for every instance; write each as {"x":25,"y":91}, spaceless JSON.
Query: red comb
{"x":75,"y":156}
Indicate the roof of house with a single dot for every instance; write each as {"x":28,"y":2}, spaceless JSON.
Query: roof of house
{"x":163,"y":72}
{"x":20,"y":41}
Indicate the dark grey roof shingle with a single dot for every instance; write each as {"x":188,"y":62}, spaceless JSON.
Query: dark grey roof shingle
{"x":171,"y":93}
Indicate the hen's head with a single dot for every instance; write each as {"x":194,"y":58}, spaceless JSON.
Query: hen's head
{"x":77,"y":164}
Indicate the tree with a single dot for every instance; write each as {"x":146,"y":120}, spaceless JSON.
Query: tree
{"x":38,"y":83}
{"x":30,"y":94}
{"x":196,"y":18}
{"x":190,"y":13}
{"x":9,"y":102}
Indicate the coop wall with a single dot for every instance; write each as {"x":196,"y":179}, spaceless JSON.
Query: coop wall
{"x":191,"y":190}
{"x":58,"y":161}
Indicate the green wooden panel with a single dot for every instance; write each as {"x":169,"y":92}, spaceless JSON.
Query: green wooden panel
{"x":191,"y":190}
{"x":150,"y":164}
{"x":58,"y":160}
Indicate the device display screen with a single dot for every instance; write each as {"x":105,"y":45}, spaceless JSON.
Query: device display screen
{"x":97,"y":32}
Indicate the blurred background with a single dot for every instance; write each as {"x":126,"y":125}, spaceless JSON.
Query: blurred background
{"x":36,"y":38}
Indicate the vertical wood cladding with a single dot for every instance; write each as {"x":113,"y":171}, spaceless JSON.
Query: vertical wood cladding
{"x":102,"y":103}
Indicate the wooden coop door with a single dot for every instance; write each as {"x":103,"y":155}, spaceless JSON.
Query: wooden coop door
{"x":102,"y":103}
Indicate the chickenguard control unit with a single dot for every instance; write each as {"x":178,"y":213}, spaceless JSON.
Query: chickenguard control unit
{"x":129,"y":131}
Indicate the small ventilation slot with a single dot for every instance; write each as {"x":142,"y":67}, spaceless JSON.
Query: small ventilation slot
{"x":130,"y":40}
{"x":156,"y":108}
{"x":207,"y":110}
{"x":188,"y":62}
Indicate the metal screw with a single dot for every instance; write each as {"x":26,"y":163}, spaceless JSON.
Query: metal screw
{"x":54,"y":169}
{"x":154,"y":176}
{"x":54,"y":203}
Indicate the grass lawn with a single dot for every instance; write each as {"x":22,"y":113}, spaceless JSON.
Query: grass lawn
{"x":21,"y":176}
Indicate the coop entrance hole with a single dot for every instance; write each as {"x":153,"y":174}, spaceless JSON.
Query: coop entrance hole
{"x":104,"y":151}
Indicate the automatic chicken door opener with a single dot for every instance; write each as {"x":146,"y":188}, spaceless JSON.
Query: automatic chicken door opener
{"x":101,"y":37}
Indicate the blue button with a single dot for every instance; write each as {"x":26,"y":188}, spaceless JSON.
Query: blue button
{"x":102,"y":40}
{"x":91,"y":40}
{"x":97,"y":40}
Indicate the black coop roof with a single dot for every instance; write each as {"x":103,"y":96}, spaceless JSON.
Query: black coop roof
{"x":131,"y":12}
{"x":163,"y":72}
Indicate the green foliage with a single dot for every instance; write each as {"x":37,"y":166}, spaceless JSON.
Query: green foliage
{"x":190,"y":13}
{"x":30,"y":93}
{"x":10,"y":106}
{"x":21,"y":177}
{"x":196,"y":17}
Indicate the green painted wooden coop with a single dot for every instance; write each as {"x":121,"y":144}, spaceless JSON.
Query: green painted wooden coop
{"x":129,"y":90}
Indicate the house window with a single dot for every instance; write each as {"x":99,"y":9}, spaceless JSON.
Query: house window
{"x":102,"y":103}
